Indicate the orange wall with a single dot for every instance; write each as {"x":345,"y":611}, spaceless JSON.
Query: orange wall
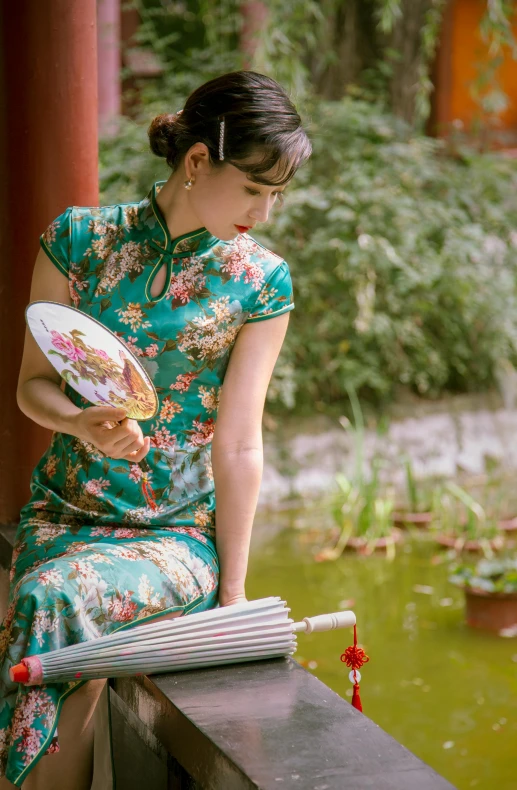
{"x":466,"y":50}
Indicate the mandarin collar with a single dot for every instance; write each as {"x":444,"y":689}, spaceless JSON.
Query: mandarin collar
{"x":194,"y":243}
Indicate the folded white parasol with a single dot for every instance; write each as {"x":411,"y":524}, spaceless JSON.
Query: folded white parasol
{"x":232,"y":634}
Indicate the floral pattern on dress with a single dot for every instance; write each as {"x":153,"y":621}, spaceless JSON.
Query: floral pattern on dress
{"x":105,"y":544}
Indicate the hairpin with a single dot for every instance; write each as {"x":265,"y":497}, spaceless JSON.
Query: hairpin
{"x":221,"y":139}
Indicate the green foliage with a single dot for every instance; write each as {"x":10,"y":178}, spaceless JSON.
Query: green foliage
{"x":360,"y":506}
{"x":411,"y":488}
{"x":194,"y":42}
{"x":488,"y":575}
{"x":496,"y":31}
{"x":460,"y":515}
{"x":404,"y":263}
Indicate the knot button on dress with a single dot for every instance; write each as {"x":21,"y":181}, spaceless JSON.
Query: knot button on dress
{"x":105,"y":544}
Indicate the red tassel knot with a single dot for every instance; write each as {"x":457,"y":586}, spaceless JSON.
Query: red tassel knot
{"x":354,"y":656}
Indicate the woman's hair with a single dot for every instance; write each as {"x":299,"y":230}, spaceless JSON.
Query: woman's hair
{"x":259,"y":121}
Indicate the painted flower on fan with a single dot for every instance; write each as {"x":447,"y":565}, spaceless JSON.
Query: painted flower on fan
{"x":102,"y":354}
{"x":65,"y":346}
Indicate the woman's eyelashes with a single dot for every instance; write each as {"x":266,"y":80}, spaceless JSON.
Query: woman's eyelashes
{"x":278,"y":193}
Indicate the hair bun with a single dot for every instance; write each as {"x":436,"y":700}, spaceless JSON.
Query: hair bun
{"x":161,"y":133}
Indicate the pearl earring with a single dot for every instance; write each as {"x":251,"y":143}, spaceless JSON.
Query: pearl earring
{"x":188,"y":184}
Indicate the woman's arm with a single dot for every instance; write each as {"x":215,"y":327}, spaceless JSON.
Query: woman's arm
{"x":39,"y":394}
{"x":237,"y":458}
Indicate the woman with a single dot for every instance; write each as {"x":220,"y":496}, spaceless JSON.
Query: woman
{"x":122,"y":526}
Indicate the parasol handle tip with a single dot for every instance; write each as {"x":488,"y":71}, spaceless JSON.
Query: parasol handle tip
{"x":19,"y":673}
{"x":327,"y":622}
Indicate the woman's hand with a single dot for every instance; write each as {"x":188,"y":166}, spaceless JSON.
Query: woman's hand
{"x":111,"y":432}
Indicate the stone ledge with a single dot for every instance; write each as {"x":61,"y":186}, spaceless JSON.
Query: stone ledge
{"x":270,"y":724}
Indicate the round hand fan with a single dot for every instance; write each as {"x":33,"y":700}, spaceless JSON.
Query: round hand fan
{"x":91,"y":359}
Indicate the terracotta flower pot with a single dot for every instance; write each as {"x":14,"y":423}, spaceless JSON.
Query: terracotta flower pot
{"x":491,"y":611}
{"x":452,"y":542}
{"x":360,"y":544}
{"x":402,"y":518}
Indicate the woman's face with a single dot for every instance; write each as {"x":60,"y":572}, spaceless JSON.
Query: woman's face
{"x":225,"y":197}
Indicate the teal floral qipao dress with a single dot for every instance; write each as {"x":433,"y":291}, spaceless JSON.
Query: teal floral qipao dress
{"x":106,"y":544}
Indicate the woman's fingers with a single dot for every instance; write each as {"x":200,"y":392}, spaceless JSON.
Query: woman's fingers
{"x":127,"y":433}
{"x":131,"y":447}
{"x":137,"y":456}
{"x":119,"y":440}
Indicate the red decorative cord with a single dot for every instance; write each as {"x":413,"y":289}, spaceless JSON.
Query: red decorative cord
{"x":354,"y":657}
{"x":149,"y":494}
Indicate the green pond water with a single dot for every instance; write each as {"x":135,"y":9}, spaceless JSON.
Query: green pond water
{"x":446,"y":691}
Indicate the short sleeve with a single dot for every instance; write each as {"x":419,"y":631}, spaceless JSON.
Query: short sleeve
{"x":276,"y":296}
{"x":56,"y":241}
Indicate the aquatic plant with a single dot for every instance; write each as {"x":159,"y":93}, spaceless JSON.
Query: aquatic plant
{"x":361,"y":507}
{"x":489,"y":575}
{"x":461,"y":516}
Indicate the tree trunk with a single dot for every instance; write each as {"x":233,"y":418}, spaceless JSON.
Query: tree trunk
{"x":351,"y":36}
{"x":406,"y":40}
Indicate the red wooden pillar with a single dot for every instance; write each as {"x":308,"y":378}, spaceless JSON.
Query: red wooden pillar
{"x":48,"y":161}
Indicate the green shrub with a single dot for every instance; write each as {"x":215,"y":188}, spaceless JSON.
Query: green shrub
{"x":404,"y":261}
